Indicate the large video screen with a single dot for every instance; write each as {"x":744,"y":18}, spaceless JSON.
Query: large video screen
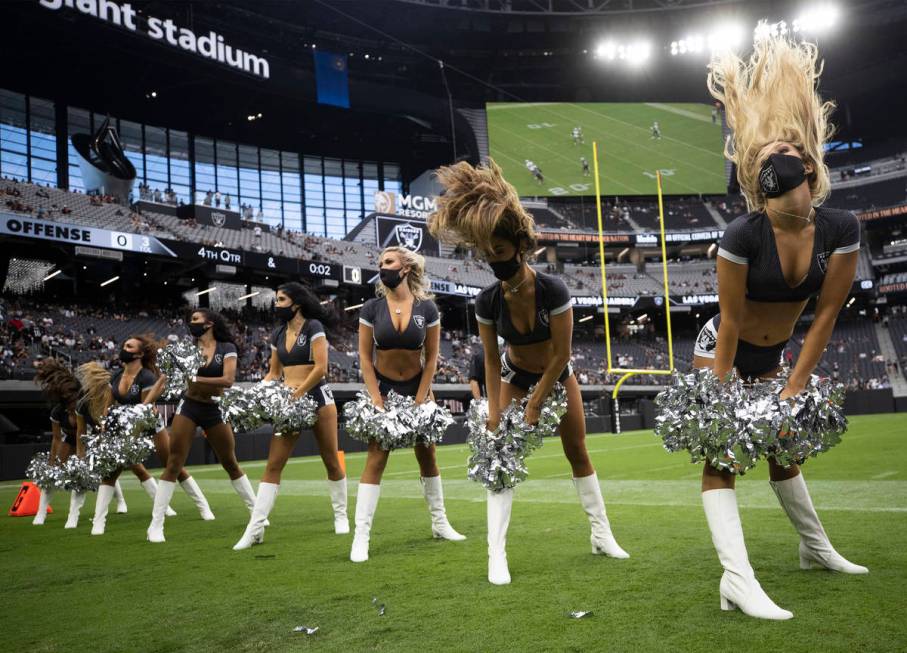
{"x":541,"y":147}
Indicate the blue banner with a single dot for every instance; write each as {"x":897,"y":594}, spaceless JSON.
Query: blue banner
{"x":332,"y":79}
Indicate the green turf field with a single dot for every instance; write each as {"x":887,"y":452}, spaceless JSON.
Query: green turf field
{"x":69,"y":591}
{"x":688,"y":153}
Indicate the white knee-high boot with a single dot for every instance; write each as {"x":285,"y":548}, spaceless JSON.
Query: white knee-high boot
{"x":255,"y":529}
{"x":338,"y":503}
{"x":198,"y":498}
{"x":739,"y":587}
{"x":590,"y":496}
{"x":43,"y":502}
{"x":434,"y":497}
{"x":122,"y":508}
{"x":366,"y":503}
{"x":76,"y":501}
{"x":243,"y":488}
{"x":499,"y":505}
{"x":102,"y":503}
{"x":150,"y":487}
{"x":815,"y":547}
{"x":155,"y":532}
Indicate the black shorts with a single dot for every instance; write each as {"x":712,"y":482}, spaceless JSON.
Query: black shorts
{"x":203,"y":414}
{"x":407,"y":388}
{"x":68,"y":438}
{"x":522,"y":379}
{"x":322,"y":394}
{"x":751,"y":360}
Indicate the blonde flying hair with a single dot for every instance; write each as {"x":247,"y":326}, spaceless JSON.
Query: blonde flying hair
{"x":770,"y":98}
{"x":416,"y":280}
{"x":96,"y":392}
{"x":478,"y":204}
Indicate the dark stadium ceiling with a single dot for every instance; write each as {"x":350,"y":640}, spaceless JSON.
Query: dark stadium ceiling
{"x":399,"y":101}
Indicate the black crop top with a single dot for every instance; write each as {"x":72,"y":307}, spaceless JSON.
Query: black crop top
{"x":83,"y":410}
{"x":143,"y":380}
{"x":301,"y":352}
{"x":749,"y":240}
{"x":215,"y":367}
{"x":551,"y":298}
{"x":376,"y":314}
{"x":60,"y":415}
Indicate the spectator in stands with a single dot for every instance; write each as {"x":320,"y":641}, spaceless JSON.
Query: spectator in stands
{"x":208,"y":198}
{"x":227,"y":201}
{"x":217,"y":199}
{"x":779,"y":128}
{"x":481,"y":210}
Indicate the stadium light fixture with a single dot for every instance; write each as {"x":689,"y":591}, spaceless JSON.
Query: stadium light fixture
{"x":819,"y":18}
{"x":110,"y":281}
{"x":635,"y":53}
{"x":205,"y":291}
{"x":52,"y":275}
{"x":354,"y":307}
{"x":585,"y":319}
{"x":725,"y":37}
{"x":251,"y":294}
{"x":852,"y":300}
{"x":606,"y":50}
{"x":539,"y":251}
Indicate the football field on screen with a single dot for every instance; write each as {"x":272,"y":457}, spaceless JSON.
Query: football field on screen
{"x":65,"y":590}
{"x":689,"y":152}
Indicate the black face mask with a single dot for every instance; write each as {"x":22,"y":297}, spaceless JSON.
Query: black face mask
{"x":197,"y":330}
{"x":781,"y":173}
{"x":391,"y":278}
{"x":285,"y":313}
{"x":128,"y":356}
{"x":504,"y":270}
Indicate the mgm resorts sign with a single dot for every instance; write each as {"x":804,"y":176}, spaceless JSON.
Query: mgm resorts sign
{"x":407,"y":206}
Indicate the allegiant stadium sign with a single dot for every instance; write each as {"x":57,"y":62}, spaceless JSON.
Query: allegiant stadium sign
{"x":210,"y":46}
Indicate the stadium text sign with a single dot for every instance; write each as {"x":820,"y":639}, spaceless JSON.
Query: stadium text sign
{"x":410,"y":206}
{"x":80,"y":235}
{"x":210,"y":46}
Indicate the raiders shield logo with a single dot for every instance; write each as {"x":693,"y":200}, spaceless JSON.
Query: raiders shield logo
{"x":133,"y":389}
{"x":822,"y":260}
{"x":218,"y":358}
{"x":408,"y":236}
{"x":707,"y":340}
{"x":419,"y":320}
{"x":302,"y":339}
{"x":218,"y":218}
{"x":768,"y":180}
{"x":543,"y":316}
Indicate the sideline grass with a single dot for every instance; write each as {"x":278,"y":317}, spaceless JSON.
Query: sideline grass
{"x":68,"y":591}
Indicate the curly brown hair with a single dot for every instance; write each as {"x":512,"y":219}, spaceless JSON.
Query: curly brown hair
{"x":57,"y":381}
{"x":478,"y":204}
{"x":149,"y":349}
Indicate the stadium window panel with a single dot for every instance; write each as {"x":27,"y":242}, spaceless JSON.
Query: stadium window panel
{"x":180,"y":180}
{"x":370,"y":185}
{"x":314,"y":218}
{"x":271,"y":213}
{"x":13,"y":136}
{"x":78,"y":121}
{"x":157,"y":164}
{"x":336,"y":223}
{"x":291,"y":189}
{"x":249,"y":181}
{"x":205,"y":173}
{"x":227,"y":175}
{"x":131,"y":137}
{"x":393,"y":182}
{"x":353,"y":192}
{"x":43,"y":142}
{"x":314,"y":196}
{"x":292,"y":216}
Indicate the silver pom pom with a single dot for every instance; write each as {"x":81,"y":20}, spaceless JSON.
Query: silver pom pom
{"x":77,"y":476}
{"x":125,"y":439}
{"x":498,"y":459}
{"x":403,"y":423}
{"x":268,"y":402}
{"x":180,"y":361}
{"x":732,"y":425}
{"x":44,"y":475}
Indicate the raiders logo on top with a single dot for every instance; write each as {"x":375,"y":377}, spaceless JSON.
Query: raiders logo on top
{"x":707,"y":340}
{"x":768,"y":179}
{"x":419,"y":320}
{"x":218,"y":218}
{"x":822,"y":260}
{"x":409,"y":236}
{"x":218,"y":358}
{"x":543,"y":316}
{"x":301,"y":340}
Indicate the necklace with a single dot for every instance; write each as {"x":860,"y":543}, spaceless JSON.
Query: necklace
{"x":397,"y":311}
{"x":808,"y":219}
{"x":515,"y":289}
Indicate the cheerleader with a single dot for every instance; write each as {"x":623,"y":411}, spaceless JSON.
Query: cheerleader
{"x":138,"y":382}
{"x":61,"y":388}
{"x":771,"y":261}
{"x":198,"y":408}
{"x":299,"y":356}
{"x":532,"y":312}
{"x":399,"y":337}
